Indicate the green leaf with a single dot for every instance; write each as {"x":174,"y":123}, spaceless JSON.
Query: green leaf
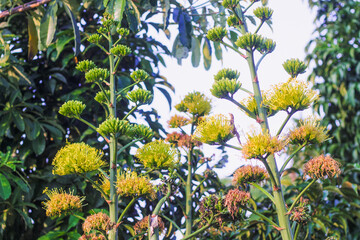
{"x":195,"y":52}
{"x":207,"y":54}
{"x":48,"y":25}
{"x":33,"y":42}
{"x":119,"y":10}
{"x":5,"y":188}
{"x":38,"y":144}
{"x":19,"y":120}
{"x":77,"y":40}
{"x":218,"y":51}
{"x":167,"y":95}
{"x":6,"y":53}
{"x":19,"y":182}
{"x":32,"y":129}
{"x":132,"y":15}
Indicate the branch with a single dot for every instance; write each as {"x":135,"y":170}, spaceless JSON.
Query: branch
{"x":264,"y":191}
{"x":263,"y":217}
{"x":290,"y":157}
{"x":300,"y":194}
{"x":23,"y":8}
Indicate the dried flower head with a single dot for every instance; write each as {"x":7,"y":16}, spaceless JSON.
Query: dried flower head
{"x":114,"y":126}
{"x":177,"y":121}
{"x":182,"y":140}
{"x":143,"y":225}
{"x":77,"y":158}
{"x":61,"y":203}
{"x":294,"y":67}
{"x":291,"y":96}
{"x":120,"y":50}
{"x":140,"y":96}
{"x":322,"y":167}
{"x":97,"y":75}
{"x":216,"y":34}
{"x":249,"y":41}
{"x":227,"y":73}
{"x":301,"y":212}
{"x":85,"y":65}
{"x":92,"y":236}
{"x":210,"y":206}
{"x":248,"y":174}
{"x":98,"y":222}
{"x":214,"y":129}
{"x":173,"y":138}
{"x":129,"y":184}
{"x":139,"y":75}
{"x":72,"y":109}
{"x":260,"y":145}
{"x":157,"y":154}
{"x":235,"y":200}
{"x":309,"y":131}
{"x":195,"y":103}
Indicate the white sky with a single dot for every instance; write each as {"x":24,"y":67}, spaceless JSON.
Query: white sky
{"x":292,"y":25}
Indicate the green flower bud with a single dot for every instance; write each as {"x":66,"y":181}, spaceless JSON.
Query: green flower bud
{"x":216,"y":34}
{"x":227,"y":73}
{"x":102,"y":30}
{"x":97,"y":75}
{"x":85,"y":66}
{"x":139,"y":75}
{"x":108,"y":23}
{"x":72,"y":109}
{"x":263,"y":13}
{"x":294,"y":67}
{"x":181,"y":107}
{"x":230,"y":3}
{"x":249,"y":41}
{"x":267,"y":46}
{"x":140,"y":96}
{"x":195,"y":103}
{"x":101,"y":97}
{"x":95,"y":38}
{"x":123,"y":32}
{"x":114,"y":126}
{"x":120,"y":50}
{"x":233,"y":21}
{"x":142,"y":131}
{"x":225,"y":87}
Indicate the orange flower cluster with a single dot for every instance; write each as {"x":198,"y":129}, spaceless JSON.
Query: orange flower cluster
{"x":99,"y":222}
{"x":248,"y":174}
{"x":235,"y":199}
{"x":322,"y":167}
{"x":182,"y":140}
{"x":177,"y":121}
{"x":61,"y":203}
{"x":92,"y":236}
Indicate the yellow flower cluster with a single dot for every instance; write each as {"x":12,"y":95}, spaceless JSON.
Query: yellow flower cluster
{"x":214,"y":129}
{"x":157,"y":154}
{"x":309,"y":132}
{"x":250,"y":104}
{"x":322,"y":167}
{"x":259,"y":145}
{"x":129,"y":184}
{"x":248,"y":174}
{"x":61,"y":203}
{"x":195,"y":103}
{"x":177,"y":121}
{"x":77,"y":158}
{"x":291,"y":96}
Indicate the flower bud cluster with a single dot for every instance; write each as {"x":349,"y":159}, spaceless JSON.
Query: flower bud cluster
{"x":85,"y":65}
{"x":120,"y":50}
{"x":139,"y":75}
{"x":195,"y":103}
{"x":140,"y":96}
{"x":114,"y":126}
{"x":72,"y":109}
{"x":248,"y":174}
{"x":216,"y":34}
{"x":263,"y":13}
{"x":97,"y":75}
{"x":294,"y":67}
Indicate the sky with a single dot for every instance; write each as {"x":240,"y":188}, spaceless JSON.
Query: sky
{"x":292,"y":29}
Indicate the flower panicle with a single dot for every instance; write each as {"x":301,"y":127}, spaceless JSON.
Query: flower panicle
{"x":129,"y":184}
{"x":72,"y":109}
{"x":309,"y":131}
{"x":322,"y":167}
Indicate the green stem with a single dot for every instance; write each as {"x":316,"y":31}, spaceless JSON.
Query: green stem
{"x":102,"y":48}
{"x":126,"y":88}
{"x":242,"y":107}
{"x":174,"y":223}
{"x":231,"y":146}
{"x":264,"y":191}
{"x":95,"y":184}
{"x":200,"y":230}
{"x":258,"y":28}
{"x":263,"y":217}
{"x":297,"y":231}
{"x":260,"y":60}
{"x":117,"y":64}
{"x":78,"y":216}
{"x":128,"y":145}
{"x":198,"y":186}
{"x":284,"y":123}
{"x":130,"y":112}
{"x":269,"y":170}
{"x":249,"y":6}
{"x":247,"y":91}
{"x":188,"y":196}
{"x":103,"y":90}
{"x":300,"y":194}
{"x":236,"y":50}
{"x":181,"y":178}
{"x":126,"y":209}
{"x":291,"y":156}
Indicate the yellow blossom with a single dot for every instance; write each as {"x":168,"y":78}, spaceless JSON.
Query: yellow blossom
{"x":250,"y":104}
{"x":129,"y":184}
{"x":214,"y":129}
{"x":259,"y":145}
{"x":77,"y":158}
{"x":309,"y":131}
{"x":157,"y":154}
{"x":195,"y":103}
{"x":61,"y":203}
{"x":322,"y":167}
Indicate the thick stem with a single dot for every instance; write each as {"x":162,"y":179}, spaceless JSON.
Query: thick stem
{"x":283,"y":219}
{"x":188,"y":195}
{"x":200,"y":230}
{"x":113,"y":203}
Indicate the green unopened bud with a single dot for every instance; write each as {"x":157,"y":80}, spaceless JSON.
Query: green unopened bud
{"x":249,"y":41}
{"x":230,"y":4}
{"x":294,"y":67}
{"x":114,"y":126}
{"x":102,"y":30}
{"x":85,"y":66}
{"x":233,"y":21}
{"x":267,"y":46}
{"x":95,"y":38}
{"x":97,"y":75}
{"x":120,"y":50}
{"x":108,"y":23}
{"x":140,"y":96}
{"x":227,"y":73}
{"x":263,"y":13}
{"x":101,"y":98}
{"x":123,"y":32}
{"x":72,"y":109}
{"x":139,"y":75}
{"x":216,"y":34}
{"x":142,"y":131}
{"x":225,"y":87}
